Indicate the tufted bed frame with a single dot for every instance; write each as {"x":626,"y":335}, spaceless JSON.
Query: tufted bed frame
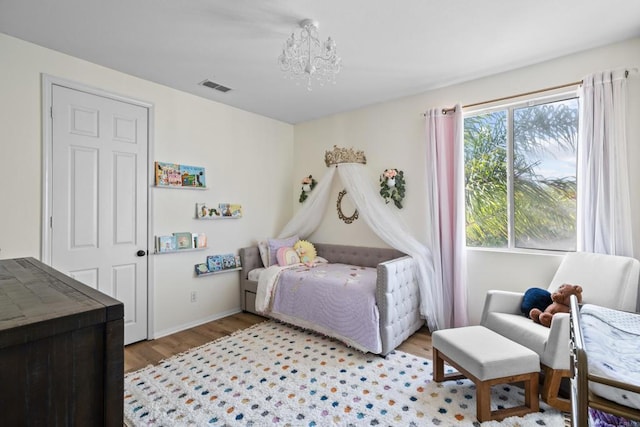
{"x":397,"y":294}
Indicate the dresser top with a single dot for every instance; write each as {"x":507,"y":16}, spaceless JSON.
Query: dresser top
{"x":40,"y":301}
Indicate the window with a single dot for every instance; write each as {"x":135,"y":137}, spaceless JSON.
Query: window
{"x":520,"y":175}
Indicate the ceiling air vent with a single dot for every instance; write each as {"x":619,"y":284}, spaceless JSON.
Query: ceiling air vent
{"x":216,"y":86}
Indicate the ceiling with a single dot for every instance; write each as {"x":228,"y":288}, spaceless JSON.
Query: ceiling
{"x":389,"y":49}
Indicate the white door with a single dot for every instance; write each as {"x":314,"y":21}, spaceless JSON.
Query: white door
{"x":99,"y":198}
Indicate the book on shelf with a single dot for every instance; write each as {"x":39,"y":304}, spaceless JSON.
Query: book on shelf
{"x":200,"y":240}
{"x":214,"y":262}
{"x":230,"y":210}
{"x":165,"y":243}
{"x":202,"y":268}
{"x":168,"y":174}
{"x":204,"y":211}
{"x":192,"y":176}
{"x":184,"y":240}
{"x":236,"y":210}
{"x":238,"y":263}
{"x":228,"y":261}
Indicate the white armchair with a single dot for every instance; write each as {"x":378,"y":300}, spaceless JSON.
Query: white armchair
{"x":607,"y":280}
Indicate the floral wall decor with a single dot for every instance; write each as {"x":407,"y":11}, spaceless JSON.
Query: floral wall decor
{"x":308,"y":184}
{"x":392,"y":186}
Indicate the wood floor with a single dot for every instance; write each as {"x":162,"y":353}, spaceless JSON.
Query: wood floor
{"x":145,"y":353}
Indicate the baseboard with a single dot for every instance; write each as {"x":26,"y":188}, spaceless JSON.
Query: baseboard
{"x":179,"y":328}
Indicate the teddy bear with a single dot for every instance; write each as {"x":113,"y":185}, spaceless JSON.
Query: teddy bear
{"x":560,"y":304}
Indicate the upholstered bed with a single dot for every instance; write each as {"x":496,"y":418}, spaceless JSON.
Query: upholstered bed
{"x":393,"y":296}
{"x":605,"y":363}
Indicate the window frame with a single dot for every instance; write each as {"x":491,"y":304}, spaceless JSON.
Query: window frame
{"x":530,"y":101}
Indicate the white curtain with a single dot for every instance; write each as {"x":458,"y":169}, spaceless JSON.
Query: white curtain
{"x":388,"y":225}
{"x":445,"y":199}
{"x":308,"y":218}
{"x":604,"y":212}
{"x":384,"y":222}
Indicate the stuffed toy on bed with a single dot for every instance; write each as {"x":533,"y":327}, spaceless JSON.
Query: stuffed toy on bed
{"x":560,"y":304}
{"x":306,"y":251}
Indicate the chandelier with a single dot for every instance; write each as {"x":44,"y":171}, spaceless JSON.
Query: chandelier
{"x":305,"y":57}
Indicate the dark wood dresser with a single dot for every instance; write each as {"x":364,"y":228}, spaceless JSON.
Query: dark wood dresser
{"x":61,"y":349}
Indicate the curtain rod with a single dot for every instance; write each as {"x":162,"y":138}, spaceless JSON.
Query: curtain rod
{"x":504,"y":98}
{"x":533,"y":92}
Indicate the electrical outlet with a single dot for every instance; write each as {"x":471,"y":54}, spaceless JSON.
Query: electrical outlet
{"x":194,"y":296}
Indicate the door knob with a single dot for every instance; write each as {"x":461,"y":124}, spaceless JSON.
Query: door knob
{"x":141,"y":253}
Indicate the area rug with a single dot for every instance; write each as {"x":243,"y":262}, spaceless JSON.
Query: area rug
{"x":277,"y":375}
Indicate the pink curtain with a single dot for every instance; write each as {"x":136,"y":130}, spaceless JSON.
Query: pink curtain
{"x":445,"y":189}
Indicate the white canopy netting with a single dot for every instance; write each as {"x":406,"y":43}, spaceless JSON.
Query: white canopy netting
{"x":385,"y":223}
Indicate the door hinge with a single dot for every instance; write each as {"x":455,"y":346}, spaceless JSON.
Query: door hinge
{"x":51,"y":112}
{"x":50,"y":222}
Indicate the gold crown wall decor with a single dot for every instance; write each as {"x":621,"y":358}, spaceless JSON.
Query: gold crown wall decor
{"x":344,"y":155}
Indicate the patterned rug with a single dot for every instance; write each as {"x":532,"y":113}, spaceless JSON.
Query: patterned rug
{"x":278,"y":375}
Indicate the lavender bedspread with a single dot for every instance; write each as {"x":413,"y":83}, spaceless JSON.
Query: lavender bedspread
{"x":334,"y":299}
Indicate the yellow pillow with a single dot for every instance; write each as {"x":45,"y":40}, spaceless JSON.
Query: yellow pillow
{"x":306,"y":251}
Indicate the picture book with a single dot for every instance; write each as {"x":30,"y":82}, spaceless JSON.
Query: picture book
{"x":236,"y":210}
{"x":202,"y":240}
{"x":174,"y":178}
{"x":192,"y":176}
{"x":230,"y":209}
{"x":202,"y":268}
{"x":225,"y":209}
{"x":199,"y":240}
{"x":228,"y":261}
{"x":165,"y":243}
{"x":204,"y":211}
{"x":184,"y":240}
{"x":214,"y":262}
{"x":167,"y":174}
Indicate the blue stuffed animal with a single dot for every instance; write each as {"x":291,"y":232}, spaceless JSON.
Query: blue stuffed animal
{"x":535,"y":298}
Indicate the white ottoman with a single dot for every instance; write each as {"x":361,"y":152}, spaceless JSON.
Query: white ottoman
{"x":487,"y":359}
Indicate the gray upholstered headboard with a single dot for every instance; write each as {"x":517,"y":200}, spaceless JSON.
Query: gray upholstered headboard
{"x":356,"y":255}
{"x":353,"y":255}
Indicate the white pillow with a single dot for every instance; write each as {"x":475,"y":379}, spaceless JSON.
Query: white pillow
{"x":263,"y":248}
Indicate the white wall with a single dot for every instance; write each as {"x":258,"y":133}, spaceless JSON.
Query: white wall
{"x":392,"y":136}
{"x":237,"y":148}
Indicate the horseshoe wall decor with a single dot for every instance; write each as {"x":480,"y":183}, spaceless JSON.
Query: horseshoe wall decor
{"x":346,"y":219}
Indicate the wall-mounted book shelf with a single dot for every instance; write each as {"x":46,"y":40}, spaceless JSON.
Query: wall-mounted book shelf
{"x":206,"y":218}
{"x":181,"y":242}
{"x":219,"y":211}
{"x":173,"y":175}
{"x":173,"y":251}
{"x":226,"y":270}
{"x":178,"y":187}
{"x":218,"y":264}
